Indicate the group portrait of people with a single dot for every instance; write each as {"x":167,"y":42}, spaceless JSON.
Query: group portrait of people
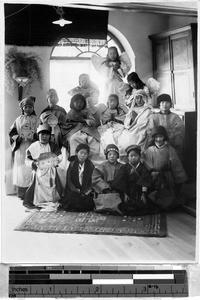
{"x":123,"y":157}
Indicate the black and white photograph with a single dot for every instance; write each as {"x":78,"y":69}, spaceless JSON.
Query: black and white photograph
{"x":100,"y":132}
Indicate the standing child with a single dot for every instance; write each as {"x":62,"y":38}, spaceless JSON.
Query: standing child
{"x":172,"y":122}
{"x":78,"y":191}
{"x":55,"y":116}
{"x":81,"y":126}
{"x":112,"y":120}
{"x":114,"y":68}
{"x":44,"y":156}
{"x":22,"y":133}
{"x":167,"y":171}
{"x":134,"y":179}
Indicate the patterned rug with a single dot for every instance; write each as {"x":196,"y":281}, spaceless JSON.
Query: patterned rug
{"x":93,"y":223}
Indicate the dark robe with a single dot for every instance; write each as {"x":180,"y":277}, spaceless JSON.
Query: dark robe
{"x":130,"y":181}
{"x":74,"y":200}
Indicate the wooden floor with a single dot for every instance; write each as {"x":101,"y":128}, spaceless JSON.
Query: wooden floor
{"x":31,"y":247}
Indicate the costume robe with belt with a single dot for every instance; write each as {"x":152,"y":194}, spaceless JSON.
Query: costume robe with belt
{"x":167,"y":175}
{"x":46,"y":188}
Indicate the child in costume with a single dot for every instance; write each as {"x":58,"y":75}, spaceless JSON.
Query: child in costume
{"x":22,"y":133}
{"x":44,"y":156}
{"x":102,"y":178}
{"x":173,"y":124}
{"x":112,"y":120}
{"x":134,"y":179}
{"x":136,"y":123}
{"x":89,"y":90}
{"x":78,"y":191}
{"x":167,"y":171}
{"x":114,"y":68}
{"x":55,"y":116}
{"x":81,"y":125}
{"x":151,"y":88}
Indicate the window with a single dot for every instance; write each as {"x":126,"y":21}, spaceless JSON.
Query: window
{"x":72,"y":57}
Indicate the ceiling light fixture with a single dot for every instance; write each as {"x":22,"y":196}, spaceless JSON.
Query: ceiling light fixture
{"x":62,"y":22}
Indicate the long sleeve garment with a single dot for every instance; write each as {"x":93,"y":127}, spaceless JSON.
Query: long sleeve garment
{"x":75,"y":120}
{"x":174,"y":126}
{"x":132,"y":181}
{"x":91,"y":94}
{"x":22,"y":133}
{"x":60,"y":116}
{"x":103,"y":175}
{"x":46,"y":186}
{"x":78,"y":190}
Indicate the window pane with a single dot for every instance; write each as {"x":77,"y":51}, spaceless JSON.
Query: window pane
{"x":64,"y":76}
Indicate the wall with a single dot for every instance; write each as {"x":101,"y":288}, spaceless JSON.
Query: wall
{"x":175,"y":22}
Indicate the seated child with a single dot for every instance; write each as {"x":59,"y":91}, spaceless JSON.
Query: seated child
{"x":81,"y":126}
{"x":78,"y":191}
{"x":104,"y":173}
{"x":166,"y":170}
{"x":89,"y":90}
{"x":43,"y":156}
{"x":136,"y":122}
{"x":112,"y":120}
{"x":102,"y":177}
{"x":173,"y":124}
{"x":134,"y":179}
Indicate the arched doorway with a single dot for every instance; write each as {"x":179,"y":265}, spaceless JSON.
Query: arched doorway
{"x":72,"y":57}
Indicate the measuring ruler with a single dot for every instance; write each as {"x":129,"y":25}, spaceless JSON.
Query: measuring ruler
{"x":96,"y":281}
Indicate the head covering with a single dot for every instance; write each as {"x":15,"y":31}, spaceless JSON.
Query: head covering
{"x":159,"y":130}
{"x":164,"y":97}
{"x":27,"y":101}
{"x":52,"y":94}
{"x":82,"y":146}
{"x":135,"y":148}
{"x":75,"y":98}
{"x":44,"y":127}
{"x":140,"y":92}
{"x":111,"y":147}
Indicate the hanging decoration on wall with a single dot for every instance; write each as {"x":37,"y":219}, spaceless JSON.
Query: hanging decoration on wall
{"x":62,"y":22}
{"x":22,"y":70}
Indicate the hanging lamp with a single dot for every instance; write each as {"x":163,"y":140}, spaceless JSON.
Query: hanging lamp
{"x":62,"y":22}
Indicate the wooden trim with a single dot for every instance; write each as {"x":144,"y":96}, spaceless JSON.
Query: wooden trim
{"x":172,"y":32}
{"x":142,"y":8}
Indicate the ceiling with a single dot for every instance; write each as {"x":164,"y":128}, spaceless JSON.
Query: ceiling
{"x":185,"y":8}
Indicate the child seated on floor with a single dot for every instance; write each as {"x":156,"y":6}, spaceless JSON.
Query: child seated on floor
{"x":167,"y":171}
{"x":134,"y":179}
{"x":104,"y":174}
{"x":78,"y":191}
{"x":112,"y":120}
{"x":81,"y":125}
{"x":43,"y":156}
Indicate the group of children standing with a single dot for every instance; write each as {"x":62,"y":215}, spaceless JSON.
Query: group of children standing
{"x":150,"y":143}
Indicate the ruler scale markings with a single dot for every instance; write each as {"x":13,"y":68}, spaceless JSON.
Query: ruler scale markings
{"x":98,"y":281}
